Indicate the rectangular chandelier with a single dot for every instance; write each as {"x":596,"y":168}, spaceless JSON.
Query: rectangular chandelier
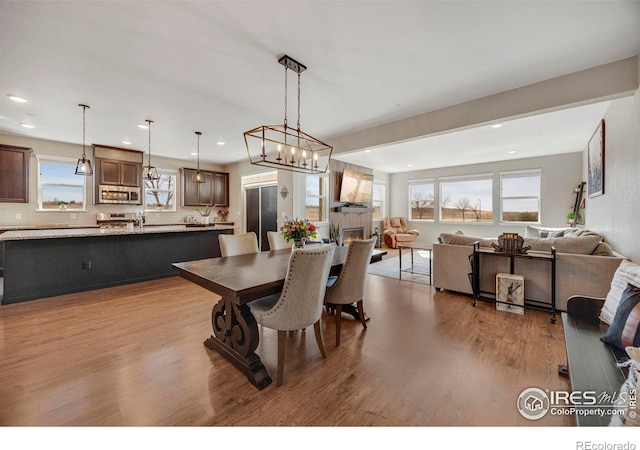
{"x":284,"y":147}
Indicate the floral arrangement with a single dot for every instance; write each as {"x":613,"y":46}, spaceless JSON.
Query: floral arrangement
{"x":298,"y":230}
{"x":223,"y":212}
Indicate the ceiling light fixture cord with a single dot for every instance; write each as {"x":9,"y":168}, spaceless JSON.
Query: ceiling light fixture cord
{"x":84,"y":115}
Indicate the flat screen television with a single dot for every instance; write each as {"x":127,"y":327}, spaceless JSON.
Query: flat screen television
{"x":356,"y":187}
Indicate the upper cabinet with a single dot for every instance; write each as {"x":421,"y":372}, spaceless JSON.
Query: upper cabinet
{"x":119,"y":173}
{"x":117,"y":166}
{"x":14,"y":174}
{"x":214,"y":191}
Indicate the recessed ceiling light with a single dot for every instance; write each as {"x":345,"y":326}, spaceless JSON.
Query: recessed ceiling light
{"x":17,"y":98}
{"x":28,"y":125}
{"x":125,"y":142}
{"x":511,"y":152}
{"x":367,"y":151}
{"x":194,"y":153}
{"x":220,"y":142}
{"x":409,"y":165}
{"x":144,"y":126}
{"x":496,"y":125}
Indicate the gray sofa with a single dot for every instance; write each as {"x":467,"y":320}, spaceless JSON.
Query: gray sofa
{"x":584,"y":265}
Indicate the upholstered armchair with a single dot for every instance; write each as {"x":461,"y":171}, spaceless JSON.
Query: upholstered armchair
{"x":396,"y":231}
{"x":349,"y":286}
{"x":300,"y":303}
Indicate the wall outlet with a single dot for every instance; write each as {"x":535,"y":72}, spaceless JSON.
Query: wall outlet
{"x":73,"y":216}
{"x":157,"y":215}
{"x":86,"y":265}
{"x":18,"y":216}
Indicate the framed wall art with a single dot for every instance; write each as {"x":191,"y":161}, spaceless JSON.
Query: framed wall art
{"x":595,"y":161}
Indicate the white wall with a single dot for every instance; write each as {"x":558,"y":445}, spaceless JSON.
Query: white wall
{"x":31,"y":216}
{"x":560,"y":175}
{"x":616,"y":214}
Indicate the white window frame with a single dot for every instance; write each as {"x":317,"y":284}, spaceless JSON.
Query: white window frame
{"x":411,"y":183}
{"x":519,"y":174}
{"x":145,"y":189}
{"x":323,"y":197}
{"x":82,"y":181}
{"x":480,"y":176}
{"x":383,"y":203}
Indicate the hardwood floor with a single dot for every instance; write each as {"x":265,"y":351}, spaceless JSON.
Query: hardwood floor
{"x":134,"y":355}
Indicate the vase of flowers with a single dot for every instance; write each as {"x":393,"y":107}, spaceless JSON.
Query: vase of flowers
{"x":223,"y":213}
{"x":299,"y":231}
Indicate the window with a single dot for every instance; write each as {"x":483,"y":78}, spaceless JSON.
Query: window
{"x":377,"y":200}
{"x":316,"y":199}
{"x":59,"y":187}
{"x":160,"y":195}
{"x":421,"y":200}
{"x":520,"y":196}
{"x":467,"y":199}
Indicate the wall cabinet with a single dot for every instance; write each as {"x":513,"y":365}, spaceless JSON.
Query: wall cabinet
{"x":14,"y":174}
{"x":214,"y":190}
{"x":119,"y":173}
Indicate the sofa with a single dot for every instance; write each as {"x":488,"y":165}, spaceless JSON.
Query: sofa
{"x":395,"y":231}
{"x":585,"y":264}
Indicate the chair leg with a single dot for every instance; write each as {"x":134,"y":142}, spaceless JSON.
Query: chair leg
{"x":338,"y":320}
{"x":281,"y":344}
{"x":318,"y":330}
{"x":361,"y":314}
{"x":291,"y":333}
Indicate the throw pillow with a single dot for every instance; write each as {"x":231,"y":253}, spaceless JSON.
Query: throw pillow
{"x":626,"y":273}
{"x":624,"y":330}
{"x":603,"y":249}
{"x":584,"y":245}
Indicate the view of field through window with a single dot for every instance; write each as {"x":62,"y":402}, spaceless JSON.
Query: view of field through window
{"x":60,"y":186}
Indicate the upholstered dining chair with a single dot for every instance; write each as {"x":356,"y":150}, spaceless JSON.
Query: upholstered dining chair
{"x":300,"y":302}
{"x":349,"y":286}
{"x":277,"y":242}
{"x":238,"y":244}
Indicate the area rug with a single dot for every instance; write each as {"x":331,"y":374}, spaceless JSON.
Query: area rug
{"x":390,"y":268}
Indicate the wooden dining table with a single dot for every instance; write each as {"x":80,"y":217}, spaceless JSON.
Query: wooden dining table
{"x":240,"y":280}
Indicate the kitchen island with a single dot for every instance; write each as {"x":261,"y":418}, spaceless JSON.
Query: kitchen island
{"x":48,"y":262}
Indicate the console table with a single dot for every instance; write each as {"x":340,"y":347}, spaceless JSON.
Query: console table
{"x":476,"y":268}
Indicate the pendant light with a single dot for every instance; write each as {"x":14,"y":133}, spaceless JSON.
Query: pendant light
{"x":83,"y":167}
{"x":150,"y":172}
{"x":198,"y":177}
{"x":284,"y":147}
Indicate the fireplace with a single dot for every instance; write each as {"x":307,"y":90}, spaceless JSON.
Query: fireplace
{"x":352,"y":234}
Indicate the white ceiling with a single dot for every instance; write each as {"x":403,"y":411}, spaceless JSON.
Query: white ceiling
{"x":212,"y":66}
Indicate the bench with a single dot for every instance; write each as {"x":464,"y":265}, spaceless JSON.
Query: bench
{"x":591,"y":364}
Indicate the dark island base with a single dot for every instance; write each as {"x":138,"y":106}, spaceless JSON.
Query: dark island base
{"x":38,"y":268}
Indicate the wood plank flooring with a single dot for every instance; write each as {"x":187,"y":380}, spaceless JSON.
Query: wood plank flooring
{"x":134,"y":356}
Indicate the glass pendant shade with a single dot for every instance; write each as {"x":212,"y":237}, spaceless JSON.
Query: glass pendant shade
{"x":83,"y":167}
{"x":149,"y":171}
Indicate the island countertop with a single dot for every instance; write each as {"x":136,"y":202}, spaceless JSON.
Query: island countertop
{"x":56,"y":233}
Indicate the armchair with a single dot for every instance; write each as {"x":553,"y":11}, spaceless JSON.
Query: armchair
{"x":396,"y":231}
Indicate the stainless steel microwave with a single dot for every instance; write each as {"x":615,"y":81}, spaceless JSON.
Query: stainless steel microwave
{"x":122,"y":195}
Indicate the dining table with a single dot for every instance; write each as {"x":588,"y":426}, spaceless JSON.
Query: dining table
{"x":240,"y":280}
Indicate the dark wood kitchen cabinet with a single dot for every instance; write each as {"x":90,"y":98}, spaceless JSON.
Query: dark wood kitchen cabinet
{"x":214,"y":190}
{"x":14,"y":174}
{"x":117,"y":166}
{"x":119,"y":173}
